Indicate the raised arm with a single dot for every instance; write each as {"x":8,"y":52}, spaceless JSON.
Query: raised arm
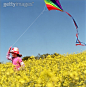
{"x":8,"y":55}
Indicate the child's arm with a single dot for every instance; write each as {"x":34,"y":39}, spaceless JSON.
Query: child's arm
{"x":22,"y":66}
{"x":21,"y":63}
{"x":8,"y":54}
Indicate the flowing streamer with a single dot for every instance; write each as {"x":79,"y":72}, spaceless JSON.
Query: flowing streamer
{"x":55,"y":5}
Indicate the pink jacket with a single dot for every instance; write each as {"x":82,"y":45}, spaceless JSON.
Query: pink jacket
{"x":17,"y":62}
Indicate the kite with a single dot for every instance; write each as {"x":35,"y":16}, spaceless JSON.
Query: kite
{"x":55,"y":5}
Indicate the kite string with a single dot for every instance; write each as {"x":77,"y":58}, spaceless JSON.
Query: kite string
{"x":29,"y":26}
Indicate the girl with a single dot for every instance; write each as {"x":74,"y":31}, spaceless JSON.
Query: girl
{"x":16,"y":60}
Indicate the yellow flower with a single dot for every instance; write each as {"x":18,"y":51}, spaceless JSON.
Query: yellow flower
{"x":22,"y":81}
{"x":50,"y":72}
{"x":37,"y":85}
{"x":49,"y":84}
{"x":54,"y":78}
{"x":76,"y":78}
{"x":7,"y":73}
{"x":39,"y":80}
{"x":85,"y":72}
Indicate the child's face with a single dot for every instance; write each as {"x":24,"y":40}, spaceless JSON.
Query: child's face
{"x":14,"y":55}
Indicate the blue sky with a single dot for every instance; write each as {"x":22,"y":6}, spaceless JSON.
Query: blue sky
{"x":53,"y":31}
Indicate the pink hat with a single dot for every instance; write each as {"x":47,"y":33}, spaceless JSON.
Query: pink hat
{"x":15,"y":50}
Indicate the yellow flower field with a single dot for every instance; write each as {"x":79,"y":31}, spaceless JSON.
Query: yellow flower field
{"x":68,"y":70}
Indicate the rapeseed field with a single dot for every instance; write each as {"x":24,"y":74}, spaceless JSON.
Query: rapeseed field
{"x":67,"y":70}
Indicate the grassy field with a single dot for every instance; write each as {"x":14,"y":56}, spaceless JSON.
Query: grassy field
{"x":68,"y":70}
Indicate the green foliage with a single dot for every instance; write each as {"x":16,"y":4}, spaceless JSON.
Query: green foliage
{"x":26,"y":58}
{"x":40,"y":56}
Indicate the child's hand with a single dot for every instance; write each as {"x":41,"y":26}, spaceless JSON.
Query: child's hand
{"x":9,"y":49}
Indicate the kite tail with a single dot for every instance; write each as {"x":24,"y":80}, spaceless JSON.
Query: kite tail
{"x":77,"y":41}
{"x":73,"y":20}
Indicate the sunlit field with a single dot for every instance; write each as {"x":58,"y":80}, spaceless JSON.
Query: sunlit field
{"x":67,"y":70}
